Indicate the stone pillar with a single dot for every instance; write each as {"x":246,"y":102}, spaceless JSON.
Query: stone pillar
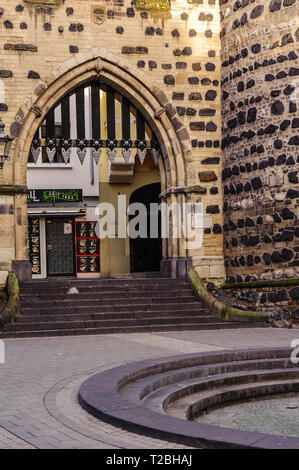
{"x":176,"y":263}
{"x":13,"y":232}
{"x":190,"y":249}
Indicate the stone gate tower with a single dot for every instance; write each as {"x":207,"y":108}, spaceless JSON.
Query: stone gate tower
{"x":170,"y":59}
{"x":163,"y":56}
{"x":260,"y":138}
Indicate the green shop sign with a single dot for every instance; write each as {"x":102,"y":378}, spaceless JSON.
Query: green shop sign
{"x":37,"y":196}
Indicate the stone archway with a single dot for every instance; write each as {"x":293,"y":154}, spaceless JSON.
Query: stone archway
{"x":176,"y":168}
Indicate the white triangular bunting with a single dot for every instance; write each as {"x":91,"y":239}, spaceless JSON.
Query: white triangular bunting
{"x":96,"y":154}
{"x":81,"y":154}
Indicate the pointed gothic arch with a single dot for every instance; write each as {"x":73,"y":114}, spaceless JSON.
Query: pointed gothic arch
{"x":176,"y":166}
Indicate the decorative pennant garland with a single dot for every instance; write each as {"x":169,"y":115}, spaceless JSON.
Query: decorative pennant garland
{"x":51,"y":149}
{"x":81,"y":150}
{"x":66,"y":149}
{"x":141,"y":150}
{"x":156,"y":151}
{"x":35,"y":150}
{"x":126,"y":149}
{"x":97,"y":150}
{"x":111,"y":146}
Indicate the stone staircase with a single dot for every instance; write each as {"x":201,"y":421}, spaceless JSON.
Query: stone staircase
{"x":105,"y":306}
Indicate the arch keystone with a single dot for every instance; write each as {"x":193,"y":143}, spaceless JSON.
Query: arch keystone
{"x":99,"y":66}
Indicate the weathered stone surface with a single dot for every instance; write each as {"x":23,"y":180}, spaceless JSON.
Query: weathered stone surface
{"x":256,"y":48}
{"x":195,"y":96}
{"x":207,"y":176}
{"x":211,"y":126}
{"x":73,"y":49}
{"x":275,"y":5}
{"x":32,"y":74}
{"x":211,"y":161}
{"x":294,"y":293}
{"x":197,"y":126}
{"x":6,"y":73}
{"x":277,"y":107}
{"x":217,"y":229}
{"x":191,"y":112}
{"x":193,"y":80}
{"x":196,"y":66}
{"x":187,"y":51}
{"x":210,"y":95}
{"x":287,"y":214}
{"x":207,"y":112}
{"x":134,"y":50}
{"x":257,"y":11}
{"x":210,"y":67}
{"x":213,"y":209}
{"x":152,"y":64}
{"x":178,"y":96}
{"x":287,"y":39}
{"x":259,"y":119}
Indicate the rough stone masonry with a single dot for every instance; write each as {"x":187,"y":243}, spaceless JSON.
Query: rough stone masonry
{"x":192,"y":55}
{"x":176,"y":47}
{"x":260,"y":138}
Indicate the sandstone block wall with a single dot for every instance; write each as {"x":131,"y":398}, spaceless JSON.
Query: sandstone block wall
{"x":254,"y":45}
{"x":260,"y":103}
{"x":179,"y":49}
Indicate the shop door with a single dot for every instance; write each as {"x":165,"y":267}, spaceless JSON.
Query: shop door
{"x":60,"y":247}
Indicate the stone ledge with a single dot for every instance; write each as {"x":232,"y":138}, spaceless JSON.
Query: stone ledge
{"x":13,"y":189}
{"x":255,"y":284}
{"x":219,"y":308}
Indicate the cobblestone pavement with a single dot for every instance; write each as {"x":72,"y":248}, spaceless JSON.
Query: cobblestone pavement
{"x":41,"y":376}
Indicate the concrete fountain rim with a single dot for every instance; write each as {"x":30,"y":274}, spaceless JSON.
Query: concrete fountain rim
{"x":99,"y":395}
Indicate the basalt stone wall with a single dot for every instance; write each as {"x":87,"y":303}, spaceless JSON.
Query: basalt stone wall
{"x":279,"y":301}
{"x":260,"y":141}
{"x":175,"y":43}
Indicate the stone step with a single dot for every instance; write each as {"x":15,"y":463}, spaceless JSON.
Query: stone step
{"x":109,"y":301}
{"x":115,"y":315}
{"x":106,"y":306}
{"x":126,"y":329}
{"x":48,"y":284}
{"x":90,"y":289}
{"x":111,"y":308}
{"x":29,"y":298}
{"x":103,"y":323}
{"x":151,"y":388}
{"x":210,"y":393}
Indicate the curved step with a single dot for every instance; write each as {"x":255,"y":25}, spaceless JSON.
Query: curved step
{"x":105,"y":394}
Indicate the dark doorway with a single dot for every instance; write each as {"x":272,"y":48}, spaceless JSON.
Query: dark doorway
{"x":146,"y":253}
{"x":60,"y":247}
